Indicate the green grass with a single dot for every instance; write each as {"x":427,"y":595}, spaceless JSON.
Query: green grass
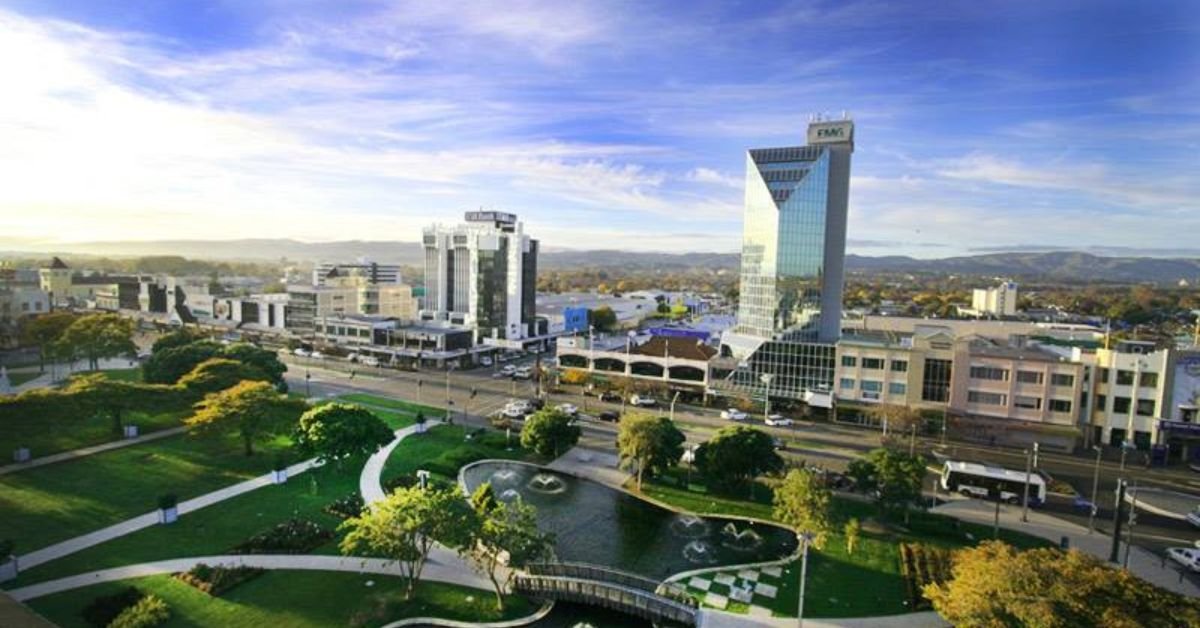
{"x":16,"y":379}
{"x":44,"y":440}
{"x":44,"y":505}
{"x":297,"y":599}
{"x":125,"y":375}
{"x":394,"y":404}
{"x":865,"y":583}
{"x":443,"y":450}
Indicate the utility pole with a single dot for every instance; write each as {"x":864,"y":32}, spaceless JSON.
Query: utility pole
{"x":1028,"y":474}
{"x":449,"y":403}
{"x":1115,"y":554}
{"x":805,"y":539}
{"x":1132,"y":522}
{"x":1095,"y":487}
{"x":673,"y":400}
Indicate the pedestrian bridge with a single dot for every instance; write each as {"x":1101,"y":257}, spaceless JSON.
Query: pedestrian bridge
{"x":608,"y":588}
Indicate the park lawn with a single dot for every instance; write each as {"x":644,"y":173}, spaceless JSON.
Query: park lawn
{"x":16,"y":379}
{"x":45,"y":505}
{"x":297,"y":599}
{"x":125,"y":375}
{"x":394,"y":404}
{"x":217,"y":528}
{"x":43,"y":440}
{"x":443,"y":450}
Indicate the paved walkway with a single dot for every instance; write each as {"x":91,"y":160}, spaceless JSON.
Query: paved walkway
{"x":1142,"y":563}
{"x":129,"y":526}
{"x":87,"y":451}
{"x":711,"y":618}
{"x":370,"y":484}
{"x":440,"y":568}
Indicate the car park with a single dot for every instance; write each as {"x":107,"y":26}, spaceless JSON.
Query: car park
{"x":643,"y":401}
{"x":778,"y":420}
{"x":733,"y":414}
{"x":609,"y":416}
{"x":1186,"y":556}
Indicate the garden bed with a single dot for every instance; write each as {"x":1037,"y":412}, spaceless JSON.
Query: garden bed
{"x":219,"y":579}
{"x":922,"y":565}
{"x":294,"y":536}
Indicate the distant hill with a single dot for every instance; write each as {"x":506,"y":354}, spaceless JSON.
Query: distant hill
{"x":1052,"y":265}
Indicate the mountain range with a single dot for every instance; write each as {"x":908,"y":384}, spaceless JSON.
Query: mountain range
{"x":1049,"y":265}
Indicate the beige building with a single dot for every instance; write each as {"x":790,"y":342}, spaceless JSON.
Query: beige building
{"x":345,"y":296}
{"x":1130,"y":394}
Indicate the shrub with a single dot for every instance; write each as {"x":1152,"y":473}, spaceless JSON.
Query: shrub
{"x":149,"y":611}
{"x":346,"y":507}
{"x":104,"y":609}
{"x":217,"y":580}
{"x":922,"y":565}
{"x":167,"y":501}
{"x":6,"y":549}
{"x":294,"y":536}
{"x":400,"y":481}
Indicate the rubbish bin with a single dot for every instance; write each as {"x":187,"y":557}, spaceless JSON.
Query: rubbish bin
{"x":1065,"y":543}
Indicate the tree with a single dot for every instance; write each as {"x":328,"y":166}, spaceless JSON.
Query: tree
{"x":483,"y":499}
{"x":549,"y":432}
{"x":899,"y":419}
{"x":403,"y":527}
{"x":802,"y":502}
{"x":649,"y":443}
{"x":248,"y":409}
{"x":603,"y":318}
{"x":851,"y":531}
{"x":98,"y":393}
{"x":98,"y":336}
{"x":340,"y":430}
{"x":44,"y":331}
{"x":993,"y":584}
{"x":504,"y":533}
{"x":216,"y":374}
{"x":894,"y":476}
{"x":172,"y":363}
{"x":735,"y":456}
{"x":264,"y":360}
{"x":178,"y":338}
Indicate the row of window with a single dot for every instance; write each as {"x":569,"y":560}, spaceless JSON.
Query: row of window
{"x":873,"y":386}
{"x":1023,"y":402}
{"x":875,"y":364}
{"x":1023,"y":377}
{"x":1121,"y":405}
{"x":1125,"y":378}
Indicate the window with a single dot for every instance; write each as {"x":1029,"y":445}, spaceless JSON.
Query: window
{"x":897,"y":388}
{"x":986,"y":398}
{"x":846,"y":384}
{"x":1060,"y":405}
{"x":1062,"y":379}
{"x":1102,"y":403}
{"x":1145,"y":407}
{"x":899,"y":366}
{"x":1030,"y":377}
{"x":1102,"y":374}
{"x":849,"y":360}
{"x":872,"y":385}
{"x":874,"y":364}
{"x":1148,"y":380}
{"x":1027,"y":403}
{"x":1121,"y":405}
{"x":989,"y":373}
{"x":1124,"y":378}
{"x":935,"y":384}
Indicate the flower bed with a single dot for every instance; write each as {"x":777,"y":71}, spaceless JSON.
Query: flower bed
{"x":294,"y":536}
{"x":921,"y":565}
{"x":217,"y":580}
{"x":104,"y":609}
{"x":150,"y":611}
{"x":345,"y":507}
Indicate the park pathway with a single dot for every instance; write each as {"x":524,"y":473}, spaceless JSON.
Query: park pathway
{"x":370,"y":484}
{"x":1142,"y":563}
{"x":449,"y":569}
{"x":75,"y":454}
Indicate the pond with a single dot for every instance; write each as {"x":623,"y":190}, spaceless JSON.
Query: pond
{"x":593,"y":523}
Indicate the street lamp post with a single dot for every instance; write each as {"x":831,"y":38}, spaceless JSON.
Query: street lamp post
{"x":1029,"y":455}
{"x":805,"y":540}
{"x":449,"y":403}
{"x":766,"y":379}
{"x":307,"y":388}
{"x":1132,"y":522}
{"x":673,"y":400}
{"x":1095,"y":487}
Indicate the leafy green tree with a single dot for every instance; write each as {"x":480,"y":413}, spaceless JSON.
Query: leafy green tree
{"x":549,"y":432}
{"x":851,"y":531}
{"x":170,"y":364}
{"x":995,"y":585}
{"x":177,"y":338}
{"x":893,"y":475}
{"x":602,"y":318}
{"x":649,"y":443}
{"x":404,"y":526}
{"x":802,"y":501}
{"x":483,"y":499}
{"x":264,"y":360}
{"x":98,"y":336}
{"x":99,"y":394}
{"x":216,"y":374}
{"x":505,"y":531}
{"x":341,"y":430}
{"x":45,"y":331}
{"x":250,"y":410}
{"x":735,"y":456}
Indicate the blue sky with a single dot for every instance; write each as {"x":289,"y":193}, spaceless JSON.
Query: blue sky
{"x":980,"y":125}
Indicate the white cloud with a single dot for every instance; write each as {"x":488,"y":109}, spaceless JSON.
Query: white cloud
{"x":708,"y":175}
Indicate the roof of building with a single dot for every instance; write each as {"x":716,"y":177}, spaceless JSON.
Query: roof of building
{"x":1025,"y":353}
{"x":682,"y":348}
{"x":58,"y":264}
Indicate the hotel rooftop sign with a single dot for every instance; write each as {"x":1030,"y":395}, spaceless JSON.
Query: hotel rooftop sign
{"x":831,"y":132}
{"x":493,"y":217}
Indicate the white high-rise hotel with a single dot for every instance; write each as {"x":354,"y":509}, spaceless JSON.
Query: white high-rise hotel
{"x":482,"y":274}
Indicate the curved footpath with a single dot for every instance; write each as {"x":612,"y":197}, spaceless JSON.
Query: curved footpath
{"x":370,"y":485}
{"x":436,"y":569}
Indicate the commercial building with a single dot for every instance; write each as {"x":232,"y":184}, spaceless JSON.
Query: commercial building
{"x":793,"y":252}
{"x":676,"y":363}
{"x":372,"y":272}
{"x":1131,"y":395}
{"x":999,"y":301}
{"x":482,"y":275}
{"x":67,"y":288}
{"x":347,"y":295}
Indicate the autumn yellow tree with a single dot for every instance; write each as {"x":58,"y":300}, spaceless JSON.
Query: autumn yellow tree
{"x":249,"y":409}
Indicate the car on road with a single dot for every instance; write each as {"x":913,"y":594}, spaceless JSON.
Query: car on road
{"x":1186,"y":556}
{"x":609,"y":416}
{"x":523,"y":373}
{"x":508,"y":369}
{"x":537,"y":403}
{"x":608,"y":396}
{"x":568,"y":409}
{"x":1194,"y":517}
{"x":301,"y":351}
{"x":643,"y":401}
{"x":779,"y":443}
{"x":316,"y":354}
{"x":733,"y":414}
{"x":369,"y":360}
{"x":778,"y":420}
{"x":516,"y":409}
{"x":485,"y":361}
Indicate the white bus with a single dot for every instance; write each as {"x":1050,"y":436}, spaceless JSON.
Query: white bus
{"x":976,"y":480}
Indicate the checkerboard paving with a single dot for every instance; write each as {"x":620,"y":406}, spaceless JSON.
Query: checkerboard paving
{"x":758,"y":611}
{"x":716,"y":601}
{"x":748,"y":574}
{"x":699,"y":583}
{"x":724,"y":579}
{"x":774,"y":572}
{"x":765,"y":590}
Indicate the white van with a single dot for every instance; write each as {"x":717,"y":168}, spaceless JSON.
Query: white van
{"x":368,"y":360}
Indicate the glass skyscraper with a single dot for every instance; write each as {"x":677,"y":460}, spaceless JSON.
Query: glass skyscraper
{"x":793,"y":253}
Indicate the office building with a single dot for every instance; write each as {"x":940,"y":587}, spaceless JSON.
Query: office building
{"x":998,"y":301}
{"x":372,"y":272}
{"x":793,"y":252}
{"x":344,"y":296}
{"x":482,"y":275}
{"x":70,"y":289}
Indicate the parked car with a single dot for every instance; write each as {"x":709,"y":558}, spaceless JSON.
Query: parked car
{"x":608,"y":396}
{"x":609,"y":415}
{"x":568,"y":409}
{"x":536,"y":403}
{"x":301,"y":351}
{"x":733,"y":414}
{"x":1186,"y":556}
{"x":369,"y":360}
{"x":316,"y":354}
{"x":778,"y":420}
{"x":353,"y":357}
{"x":643,"y":401}
{"x":523,"y":373}
{"x":508,"y":369}
{"x":1194,"y":517}
{"x":779,"y":443}
{"x":485,"y":361}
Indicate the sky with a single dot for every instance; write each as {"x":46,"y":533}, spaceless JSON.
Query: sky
{"x":980,"y":126}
